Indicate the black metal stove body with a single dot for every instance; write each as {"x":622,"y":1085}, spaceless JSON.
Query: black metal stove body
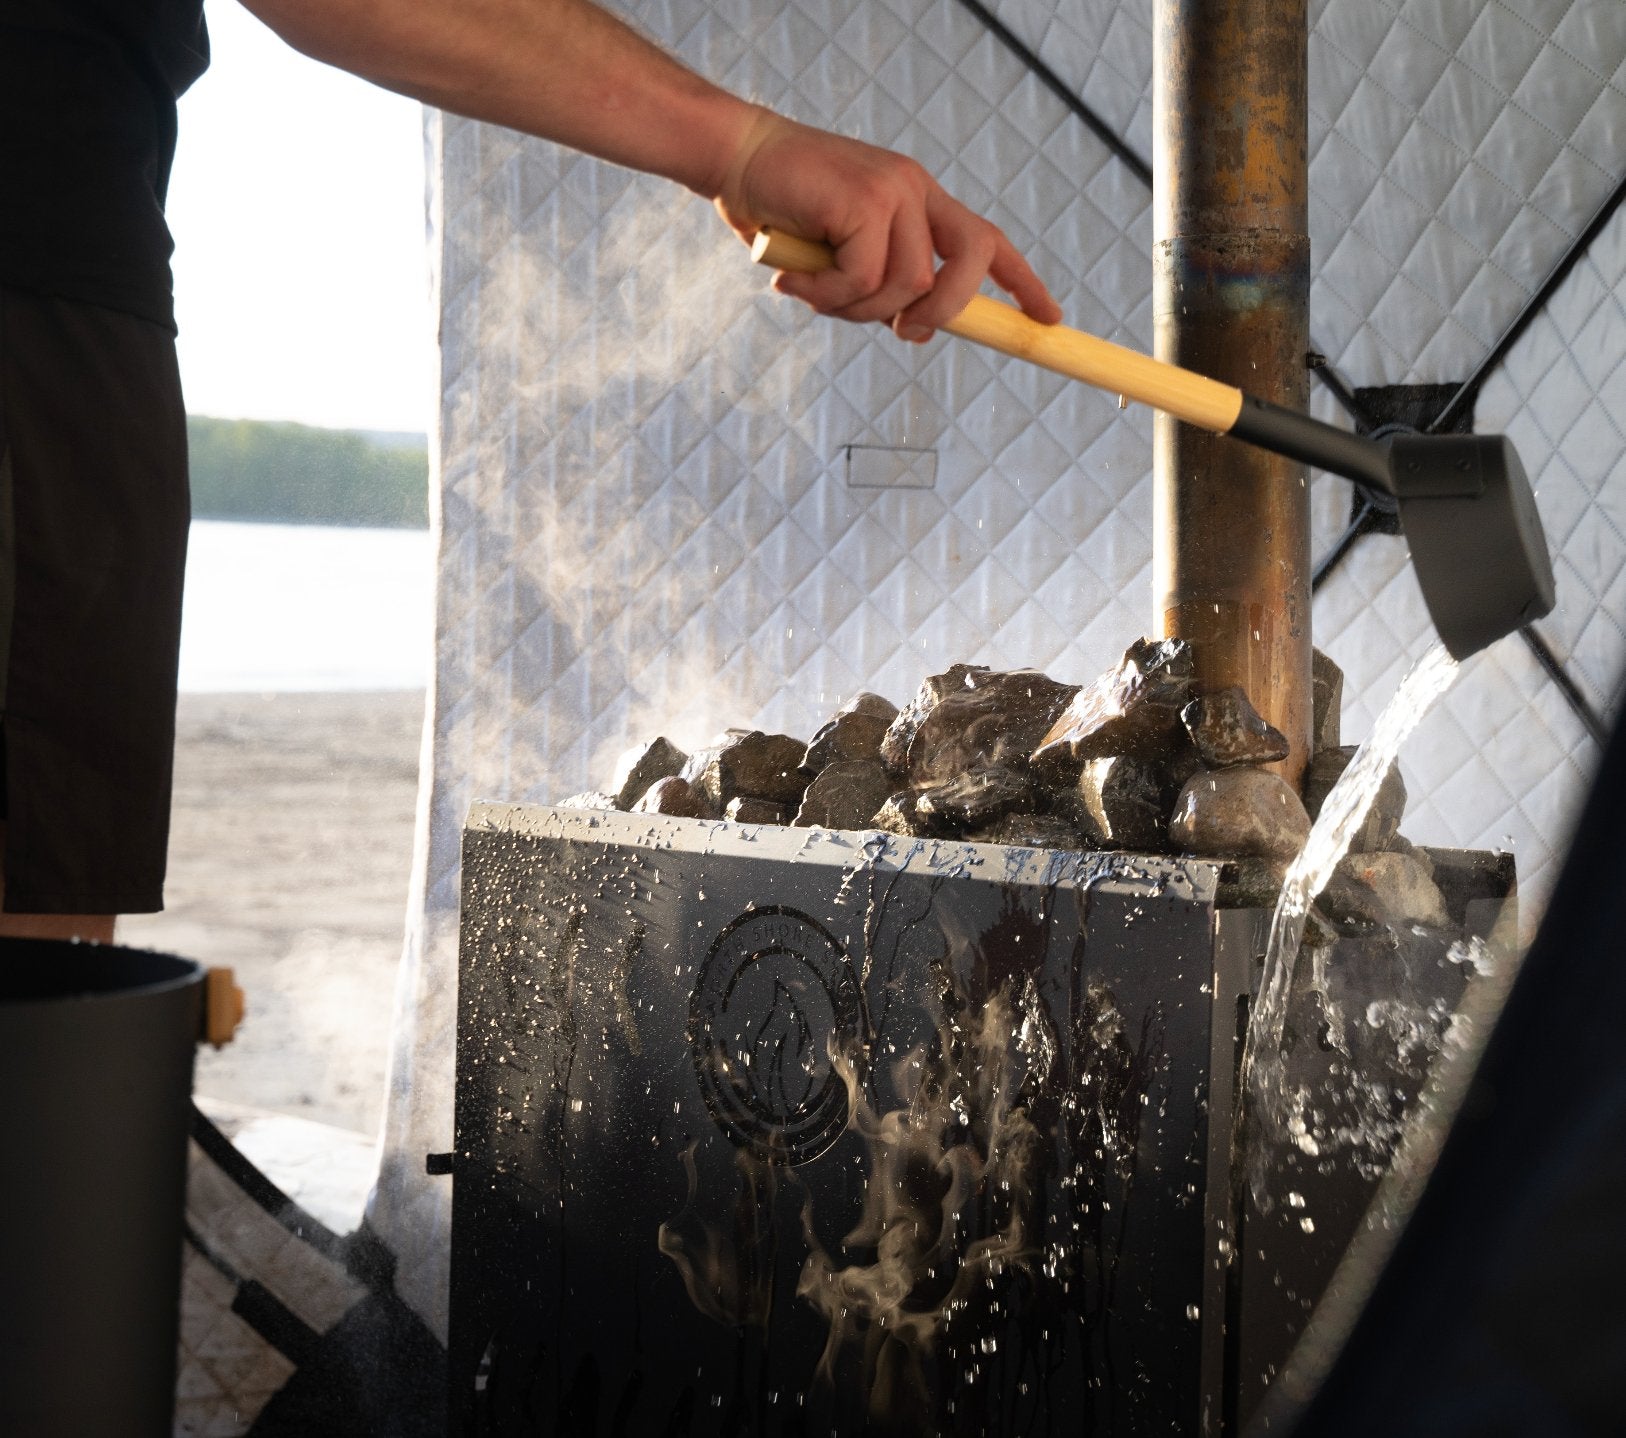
{"x":766,"y":1131}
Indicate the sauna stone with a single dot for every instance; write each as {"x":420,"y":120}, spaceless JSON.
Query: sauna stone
{"x":1239,"y":812}
{"x":1126,"y":804}
{"x":854,"y":732}
{"x":754,"y":811}
{"x":845,"y":795}
{"x":1326,"y":702}
{"x":641,"y":766}
{"x":990,"y":719}
{"x":1372,"y":889}
{"x":1133,"y":709}
{"x":1226,"y":729}
{"x":746,"y":763}
{"x":974,"y":799}
{"x":674,"y":795}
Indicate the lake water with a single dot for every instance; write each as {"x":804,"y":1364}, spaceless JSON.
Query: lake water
{"x":280,"y":607}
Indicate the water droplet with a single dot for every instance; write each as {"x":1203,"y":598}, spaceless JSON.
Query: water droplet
{"x":1307,"y":1224}
{"x":1193,"y":1312}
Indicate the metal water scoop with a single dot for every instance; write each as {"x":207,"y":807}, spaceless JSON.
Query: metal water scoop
{"x":1464,"y":500}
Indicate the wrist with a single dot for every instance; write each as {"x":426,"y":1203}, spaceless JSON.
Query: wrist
{"x":752,"y":128}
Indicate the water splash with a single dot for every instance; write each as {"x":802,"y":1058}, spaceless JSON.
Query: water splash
{"x":1263,"y":1060}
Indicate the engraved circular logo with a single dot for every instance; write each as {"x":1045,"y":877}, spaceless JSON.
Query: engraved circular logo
{"x":775,"y":995}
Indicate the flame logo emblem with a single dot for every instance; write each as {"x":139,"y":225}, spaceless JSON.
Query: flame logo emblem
{"x":775,"y":996}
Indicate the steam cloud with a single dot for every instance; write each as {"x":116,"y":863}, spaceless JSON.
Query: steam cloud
{"x":634,"y":547}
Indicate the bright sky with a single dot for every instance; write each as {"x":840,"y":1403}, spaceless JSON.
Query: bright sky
{"x":301,"y":268}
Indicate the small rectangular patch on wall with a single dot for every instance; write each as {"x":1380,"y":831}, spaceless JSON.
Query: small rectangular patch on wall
{"x":872,"y":466}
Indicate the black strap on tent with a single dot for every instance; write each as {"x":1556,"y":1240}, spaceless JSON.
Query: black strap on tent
{"x":1532,"y":307}
{"x":1363,"y":522}
{"x":1322,"y":369}
{"x":1555,"y":671}
{"x":1059,"y":88}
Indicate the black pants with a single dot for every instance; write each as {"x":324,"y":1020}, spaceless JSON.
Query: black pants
{"x":94,"y":512}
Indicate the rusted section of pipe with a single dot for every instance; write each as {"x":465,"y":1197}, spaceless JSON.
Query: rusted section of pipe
{"x":1231,"y":290}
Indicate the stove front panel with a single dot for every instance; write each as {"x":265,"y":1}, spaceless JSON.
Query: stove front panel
{"x":786,"y":1131}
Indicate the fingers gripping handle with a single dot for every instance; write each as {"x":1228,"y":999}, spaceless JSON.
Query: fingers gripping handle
{"x":1110,"y":367}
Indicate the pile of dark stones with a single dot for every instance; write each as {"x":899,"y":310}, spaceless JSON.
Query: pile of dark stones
{"x":1141,"y":761}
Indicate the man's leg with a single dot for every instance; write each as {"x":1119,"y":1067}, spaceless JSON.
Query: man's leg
{"x":96,"y":928}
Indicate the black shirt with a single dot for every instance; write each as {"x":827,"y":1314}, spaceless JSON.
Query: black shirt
{"x":87,"y":136}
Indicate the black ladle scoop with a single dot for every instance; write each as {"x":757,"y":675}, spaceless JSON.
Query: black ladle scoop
{"x":1465,"y":502}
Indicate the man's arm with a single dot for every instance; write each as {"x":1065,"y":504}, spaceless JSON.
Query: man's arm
{"x":568,"y":71}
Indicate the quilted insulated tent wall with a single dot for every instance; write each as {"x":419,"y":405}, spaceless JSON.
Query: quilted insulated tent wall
{"x":672,"y":502}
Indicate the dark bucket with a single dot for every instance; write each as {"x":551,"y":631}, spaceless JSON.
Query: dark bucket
{"x":96,"y":1048}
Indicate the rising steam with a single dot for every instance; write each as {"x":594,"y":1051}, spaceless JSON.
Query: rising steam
{"x":596,"y":479}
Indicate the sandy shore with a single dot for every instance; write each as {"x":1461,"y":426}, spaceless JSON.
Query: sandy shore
{"x":290,"y":850}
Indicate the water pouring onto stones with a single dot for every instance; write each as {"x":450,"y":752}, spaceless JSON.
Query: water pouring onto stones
{"x":1264,"y":1086}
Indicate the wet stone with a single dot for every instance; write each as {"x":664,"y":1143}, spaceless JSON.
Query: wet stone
{"x":1031,"y":831}
{"x":992,"y":719}
{"x":901,"y":732}
{"x":1250,"y":884}
{"x":1238,"y":812}
{"x":1367,"y":890}
{"x":854,"y":732}
{"x":749,"y":764}
{"x":1179,"y":767}
{"x":590,"y":800}
{"x":1326,"y":702}
{"x":898,"y":816}
{"x":675,"y":796}
{"x":1132,"y":710}
{"x":975,"y":799}
{"x":1382,"y":823}
{"x":846,"y":795}
{"x":641,"y":766}
{"x":876,"y":706}
{"x":1126,"y":804}
{"x":1226,"y":729}
{"x":754,"y":811}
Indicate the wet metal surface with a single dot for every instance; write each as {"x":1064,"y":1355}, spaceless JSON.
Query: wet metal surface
{"x":783,"y":1131}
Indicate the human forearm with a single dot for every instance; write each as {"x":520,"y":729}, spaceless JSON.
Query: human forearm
{"x":562,"y":69}
{"x":568,"y":71}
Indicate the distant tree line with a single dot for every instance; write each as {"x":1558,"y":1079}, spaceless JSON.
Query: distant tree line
{"x":298,"y":474}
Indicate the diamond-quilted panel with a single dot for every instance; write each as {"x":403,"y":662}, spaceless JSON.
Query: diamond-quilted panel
{"x":1561,"y":396}
{"x":1477,"y":117}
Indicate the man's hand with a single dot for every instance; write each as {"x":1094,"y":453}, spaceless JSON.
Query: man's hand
{"x":886,"y":219}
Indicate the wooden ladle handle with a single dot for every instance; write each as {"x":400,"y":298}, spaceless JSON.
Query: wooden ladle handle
{"x":1188,"y":396}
